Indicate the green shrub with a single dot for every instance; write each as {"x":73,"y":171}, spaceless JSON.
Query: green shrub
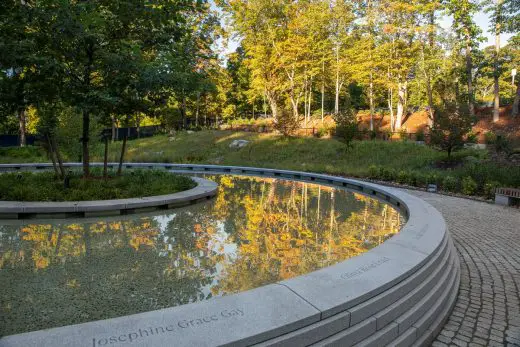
{"x":502,"y":144}
{"x":471,"y":137}
{"x":346,"y":127}
{"x":469,"y":186}
{"x":421,"y":180}
{"x":43,"y":186}
{"x":403,"y":134}
{"x":286,"y":123}
{"x":412,"y":179}
{"x":490,"y":137}
{"x":402,"y":177}
{"x":387,"y":174}
{"x":489,"y":189}
{"x":373,"y":171}
{"x":450,"y":184}
{"x":322,"y":131}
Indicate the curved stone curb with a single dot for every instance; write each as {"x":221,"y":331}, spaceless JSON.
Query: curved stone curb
{"x":205,"y":189}
{"x":398,"y":293}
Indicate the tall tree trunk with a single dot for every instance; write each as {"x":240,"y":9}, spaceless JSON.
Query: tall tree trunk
{"x":273,"y":104}
{"x":51,"y":155}
{"x":516,"y":103}
{"x":113,"y":117}
{"x":310,"y":99}
{"x":294,"y":102}
{"x":122,"y":156}
{"x":336,"y":100}
{"x":85,"y":150}
{"x":306,"y":92}
{"x":401,"y":90}
{"x":391,"y":108}
{"x":469,"y":73}
{"x":58,"y":156}
{"x":105,"y":159}
{"x":183,"y":110}
{"x":429,"y":91}
{"x":138,"y":125}
{"x":264,"y":105}
{"x":371,"y":100}
{"x":496,"y":72}
{"x":323,"y":91}
{"x":197,"y":110}
{"x":23,"y":125}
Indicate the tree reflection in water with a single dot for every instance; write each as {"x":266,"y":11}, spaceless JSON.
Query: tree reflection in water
{"x":256,"y":231}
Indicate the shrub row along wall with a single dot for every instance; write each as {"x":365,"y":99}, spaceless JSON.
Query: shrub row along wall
{"x":399,"y":293}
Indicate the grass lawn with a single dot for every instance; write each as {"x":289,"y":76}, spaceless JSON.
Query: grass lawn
{"x":403,"y":162}
{"x":43,"y":186}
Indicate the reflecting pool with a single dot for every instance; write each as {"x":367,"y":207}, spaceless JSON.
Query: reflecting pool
{"x":255,"y":232}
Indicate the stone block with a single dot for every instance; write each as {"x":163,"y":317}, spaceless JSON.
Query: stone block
{"x":351,"y":282}
{"x":243,"y":319}
{"x":382,"y":337}
{"x":312,"y":333}
{"x":351,"y":336}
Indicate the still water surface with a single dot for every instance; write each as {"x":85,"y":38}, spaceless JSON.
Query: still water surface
{"x":255,"y":232}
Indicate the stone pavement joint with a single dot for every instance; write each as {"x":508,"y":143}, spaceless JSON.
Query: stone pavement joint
{"x":487,"y":238}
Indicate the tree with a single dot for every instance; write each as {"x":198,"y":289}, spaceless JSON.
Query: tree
{"x":463,"y":24}
{"x":452,"y":123}
{"x":103,"y":48}
{"x":495,"y":7}
{"x":346,"y":127}
{"x":512,"y":60}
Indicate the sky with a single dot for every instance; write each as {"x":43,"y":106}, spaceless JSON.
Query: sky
{"x":482,"y":20}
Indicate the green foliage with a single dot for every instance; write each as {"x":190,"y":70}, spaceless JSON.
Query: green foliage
{"x":21,"y":154}
{"x":373,"y":171}
{"x":43,"y":186}
{"x":489,"y":189}
{"x":451,"y":125}
{"x":490,"y":137}
{"x":403,"y":177}
{"x":381,"y":160}
{"x":403,"y":134}
{"x":387,"y":174}
{"x":450,"y":184}
{"x":346,"y":127}
{"x":469,"y":186}
{"x":322,"y":131}
{"x":471,"y":137}
{"x":503,"y":144}
{"x":287,"y":124}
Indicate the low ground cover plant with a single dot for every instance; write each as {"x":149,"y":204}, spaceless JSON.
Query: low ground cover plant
{"x":44,"y":186}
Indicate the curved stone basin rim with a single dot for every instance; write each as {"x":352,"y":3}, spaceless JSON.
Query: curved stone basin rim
{"x":204,"y":189}
{"x":345,"y":289}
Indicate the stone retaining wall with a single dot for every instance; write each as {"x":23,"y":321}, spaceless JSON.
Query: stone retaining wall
{"x":397,"y":294}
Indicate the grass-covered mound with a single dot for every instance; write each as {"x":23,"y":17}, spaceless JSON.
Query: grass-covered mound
{"x":44,"y":186}
{"x":471,"y":172}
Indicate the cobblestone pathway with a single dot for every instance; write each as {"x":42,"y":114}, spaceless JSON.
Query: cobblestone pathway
{"x":487,"y":237}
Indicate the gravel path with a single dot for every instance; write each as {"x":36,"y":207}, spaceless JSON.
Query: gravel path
{"x":487,"y":238}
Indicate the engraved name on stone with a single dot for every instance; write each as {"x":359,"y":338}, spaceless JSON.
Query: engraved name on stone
{"x":421,"y":232}
{"x":142,"y":333}
{"x":365,"y":268}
